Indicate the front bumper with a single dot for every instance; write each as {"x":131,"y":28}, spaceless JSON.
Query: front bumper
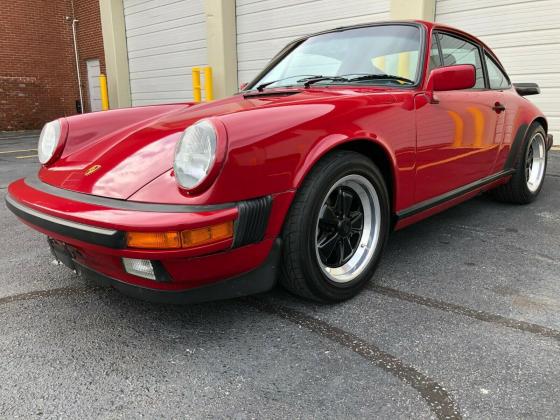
{"x":95,"y":229}
{"x":259,"y":280}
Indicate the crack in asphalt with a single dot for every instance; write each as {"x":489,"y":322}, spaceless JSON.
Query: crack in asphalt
{"x":38,"y":294}
{"x":387,"y":291}
{"x":485,"y":232}
{"x":437,"y":398}
{"x":468,"y":312}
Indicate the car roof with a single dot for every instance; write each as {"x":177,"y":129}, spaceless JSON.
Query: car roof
{"x":416,"y":22}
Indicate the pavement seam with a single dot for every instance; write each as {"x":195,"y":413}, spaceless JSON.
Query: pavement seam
{"x":493,"y":234}
{"x":468,"y":312}
{"x":38,"y":294}
{"x":437,"y":398}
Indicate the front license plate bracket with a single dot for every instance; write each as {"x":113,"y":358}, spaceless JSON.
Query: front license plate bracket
{"x":62,"y":253}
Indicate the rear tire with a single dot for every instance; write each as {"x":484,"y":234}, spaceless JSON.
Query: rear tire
{"x":336,"y":228}
{"x":530,"y":169}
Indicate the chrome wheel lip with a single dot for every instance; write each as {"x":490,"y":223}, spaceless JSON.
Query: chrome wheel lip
{"x":369,"y":239}
{"x":535,"y":162}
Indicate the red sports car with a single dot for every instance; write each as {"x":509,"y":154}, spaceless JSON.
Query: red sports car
{"x":344,"y":136}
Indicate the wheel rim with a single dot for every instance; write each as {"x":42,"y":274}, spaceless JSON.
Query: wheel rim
{"x":347,"y":228}
{"x":535,"y":162}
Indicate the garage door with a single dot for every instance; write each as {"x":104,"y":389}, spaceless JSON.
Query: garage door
{"x":526,"y":37}
{"x":94,"y":90}
{"x":165,"y":39}
{"x":265,"y":26}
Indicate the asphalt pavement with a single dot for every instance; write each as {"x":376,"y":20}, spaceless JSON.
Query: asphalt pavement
{"x":463,"y":320}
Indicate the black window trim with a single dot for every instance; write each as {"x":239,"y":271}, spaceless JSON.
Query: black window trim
{"x":487,"y":53}
{"x":472,"y":42}
{"x":440,"y":53}
{"x":433,"y":38}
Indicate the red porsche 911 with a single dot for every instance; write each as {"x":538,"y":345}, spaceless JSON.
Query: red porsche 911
{"x":301,"y":176}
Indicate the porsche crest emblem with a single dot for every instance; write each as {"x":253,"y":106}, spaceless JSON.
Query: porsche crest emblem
{"x":92,"y":169}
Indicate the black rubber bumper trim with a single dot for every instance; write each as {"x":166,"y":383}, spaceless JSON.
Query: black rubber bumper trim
{"x":86,"y":233}
{"x":250,"y":226}
{"x":253,"y":220}
{"x":260,"y":280}
{"x":115,"y":203}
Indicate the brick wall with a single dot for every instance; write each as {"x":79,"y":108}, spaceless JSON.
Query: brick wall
{"x":90,"y":40}
{"x":38,"y":80}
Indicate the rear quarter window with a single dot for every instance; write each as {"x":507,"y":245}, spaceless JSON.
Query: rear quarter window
{"x":496,"y":77}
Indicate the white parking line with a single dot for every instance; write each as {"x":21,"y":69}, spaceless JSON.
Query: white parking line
{"x":26,"y":157}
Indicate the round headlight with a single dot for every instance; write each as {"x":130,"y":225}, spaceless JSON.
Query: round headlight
{"x":195,"y":154}
{"x":48,"y":141}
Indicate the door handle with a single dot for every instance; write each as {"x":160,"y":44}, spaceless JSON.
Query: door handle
{"x":498,"y":107}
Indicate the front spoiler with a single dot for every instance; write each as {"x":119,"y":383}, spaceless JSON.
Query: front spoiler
{"x":260,"y":280}
{"x":549,"y":141}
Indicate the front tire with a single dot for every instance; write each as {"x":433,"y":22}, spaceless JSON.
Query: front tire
{"x":526,"y":183}
{"x":336,"y":229}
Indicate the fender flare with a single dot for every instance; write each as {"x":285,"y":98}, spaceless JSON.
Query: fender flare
{"x":520,"y":139}
{"x":332,"y":142}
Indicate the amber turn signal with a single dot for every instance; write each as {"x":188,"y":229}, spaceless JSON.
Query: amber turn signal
{"x":207,"y":235}
{"x":185,"y":239}
{"x":153,"y":240}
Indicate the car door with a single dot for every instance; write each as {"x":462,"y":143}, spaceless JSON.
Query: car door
{"x":456,"y":133}
{"x":506,"y":99}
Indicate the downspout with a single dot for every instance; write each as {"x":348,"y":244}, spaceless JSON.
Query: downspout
{"x":74,"y":21}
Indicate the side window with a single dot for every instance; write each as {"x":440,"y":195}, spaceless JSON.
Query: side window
{"x":458,"y":51}
{"x":434,"y":54}
{"x":496,"y":77}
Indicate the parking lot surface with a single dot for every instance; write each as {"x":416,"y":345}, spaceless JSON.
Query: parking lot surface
{"x":463,"y":320}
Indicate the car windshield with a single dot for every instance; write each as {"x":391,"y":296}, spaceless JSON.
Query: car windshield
{"x":384,"y":54}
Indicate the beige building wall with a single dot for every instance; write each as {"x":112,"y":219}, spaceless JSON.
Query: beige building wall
{"x":116,"y":55}
{"x":413,"y":9}
{"x":221,"y":37}
{"x":222,"y":47}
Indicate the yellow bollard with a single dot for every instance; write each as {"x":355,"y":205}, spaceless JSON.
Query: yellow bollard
{"x":379,"y":62}
{"x":104,"y":92}
{"x":197,"y":90}
{"x":404,"y":65}
{"x":208,"y":84}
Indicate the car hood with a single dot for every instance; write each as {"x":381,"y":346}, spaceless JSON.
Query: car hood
{"x":115,"y":153}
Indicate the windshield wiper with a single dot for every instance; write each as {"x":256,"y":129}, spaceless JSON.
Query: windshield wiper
{"x":261,"y":87}
{"x":381,"y":77}
{"x":311,"y":80}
